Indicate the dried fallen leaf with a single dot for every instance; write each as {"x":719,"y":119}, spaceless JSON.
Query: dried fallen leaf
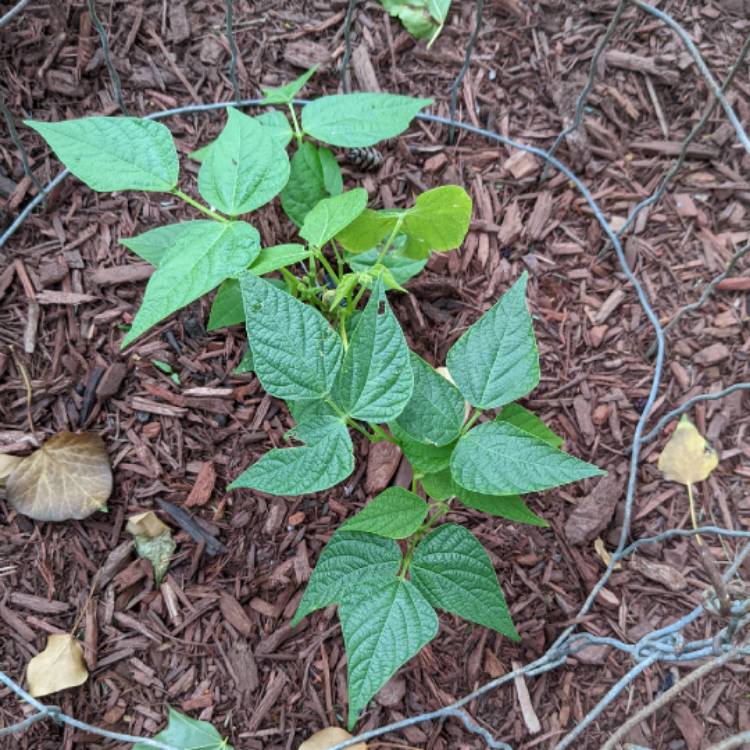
{"x":68,"y":477}
{"x":7,"y":464}
{"x":60,"y":666}
{"x":153,"y":541}
{"x":601,"y":550}
{"x":327,"y":738}
{"x":687,"y":457}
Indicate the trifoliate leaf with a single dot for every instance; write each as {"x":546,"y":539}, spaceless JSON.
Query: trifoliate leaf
{"x":395,"y":513}
{"x":68,"y":477}
{"x":188,"y":734}
{"x":687,"y":457}
{"x":60,"y":666}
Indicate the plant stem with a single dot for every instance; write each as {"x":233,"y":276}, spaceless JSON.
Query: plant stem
{"x":295,"y":124}
{"x":470,"y":422}
{"x":195,"y":204}
{"x":390,"y":240}
{"x":381,"y":434}
{"x":693,"y":516}
{"x":440,"y":508}
{"x":329,"y":268}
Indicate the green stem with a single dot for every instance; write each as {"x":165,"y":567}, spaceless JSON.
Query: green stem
{"x":390,"y":240}
{"x":381,"y":434}
{"x":291,"y":281}
{"x":324,"y":261}
{"x":195,"y":204}
{"x":344,"y":339}
{"x":441,"y":508}
{"x":470,"y":422}
{"x":295,"y":124}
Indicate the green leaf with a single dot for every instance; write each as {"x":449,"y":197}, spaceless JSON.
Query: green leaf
{"x":384,"y":625}
{"x":284,"y":94}
{"x":331,"y":215}
{"x":439,"y":9}
{"x":496,"y":360}
{"x":362,"y":119}
{"x":273,"y":121}
{"x":395,"y":513}
{"x":187,"y":734}
{"x":157,"y":550}
{"x":246,"y":363}
{"x":350,"y":559}
{"x":114,"y":153}
{"x":453,"y":572}
{"x":511,"y":507}
{"x":204,"y":254}
{"x":345,"y":286}
{"x":301,"y":411}
{"x":402,"y":269}
{"x":425,"y":459}
{"x":227,"y":308}
{"x":367,"y":230}
{"x":435,"y":412}
{"x":278,"y":256}
{"x":333,"y":180}
{"x":375,"y":381}
{"x":414,"y":15}
{"x":244,"y":168}
{"x":326,"y":459}
{"x":297,"y":354}
{"x":498,"y":458}
{"x":440,"y":485}
{"x":153,"y":245}
{"x":527,"y":421}
{"x":312,"y":178}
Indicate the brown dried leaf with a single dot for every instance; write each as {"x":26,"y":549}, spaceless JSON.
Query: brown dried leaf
{"x":60,"y":666}
{"x":68,"y":477}
{"x":327,"y":738}
{"x":146,"y":524}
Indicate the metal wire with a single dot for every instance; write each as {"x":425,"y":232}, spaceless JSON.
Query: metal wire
{"x":113,"y":74}
{"x":13,"y":12}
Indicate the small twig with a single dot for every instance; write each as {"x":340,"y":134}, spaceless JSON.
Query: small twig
{"x":707,"y":292}
{"x":24,"y":373}
{"x":346,"y":86}
{"x":714,"y":575}
{"x":197,"y":532}
{"x":232,"y":49}
{"x":667,"y":696}
{"x":736,"y":740}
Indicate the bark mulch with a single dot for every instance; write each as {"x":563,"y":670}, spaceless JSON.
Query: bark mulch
{"x":214,"y":640}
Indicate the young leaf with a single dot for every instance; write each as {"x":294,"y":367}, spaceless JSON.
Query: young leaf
{"x":326,"y":459}
{"x":435,"y":412}
{"x":188,"y":734}
{"x":687,"y":458}
{"x":68,"y":477}
{"x":496,"y":360}
{"x":244,"y":168}
{"x":375,"y":381}
{"x":329,"y":737}
{"x":527,"y":421}
{"x":439,"y":485}
{"x":439,"y":9}
{"x":497,"y":458}
{"x":114,"y":153}
{"x":153,"y":245}
{"x":348,"y":561}
{"x":384,"y":625}
{"x":204,"y":254}
{"x":227,"y":308}
{"x":296,"y":353}
{"x":245,"y":365}
{"x":312,"y":178}
{"x":511,"y":507}
{"x":424,"y":458}
{"x":153,"y":541}
{"x":395,"y":514}
{"x":345,"y":286}
{"x":453,"y":572}
{"x":284,"y":94}
{"x":401,"y":268}
{"x":439,"y":221}
{"x":352,"y":120}
{"x":367,"y":230}
{"x":331,"y":215}
{"x":414,"y":15}
{"x":60,"y":666}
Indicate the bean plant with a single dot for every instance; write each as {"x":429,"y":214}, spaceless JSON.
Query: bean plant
{"x":323,"y":338}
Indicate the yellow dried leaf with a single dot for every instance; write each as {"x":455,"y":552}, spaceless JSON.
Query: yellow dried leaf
{"x":68,"y":477}
{"x":7,"y":464}
{"x":687,"y":458}
{"x":60,"y":666}
{"x":601,"y":550}
{"x":146,"y":524}
{"x":329,"y":737}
